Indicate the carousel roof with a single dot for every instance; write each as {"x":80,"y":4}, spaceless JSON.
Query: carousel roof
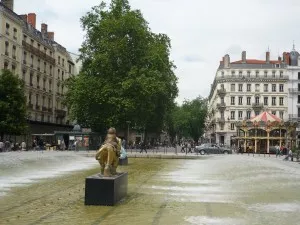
{"x":265,"y":117}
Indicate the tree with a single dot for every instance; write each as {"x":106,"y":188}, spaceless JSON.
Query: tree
{"x":189,"y":119}
{"x":12,"y":105}
{"x":126,"y":71}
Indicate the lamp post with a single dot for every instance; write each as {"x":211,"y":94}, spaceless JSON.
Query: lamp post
{"x":128,"y":123}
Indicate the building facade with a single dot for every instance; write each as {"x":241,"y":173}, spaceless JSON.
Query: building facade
{"x":41,"y":63}
{"x":293,"y":71}
{"x":244,"y":89}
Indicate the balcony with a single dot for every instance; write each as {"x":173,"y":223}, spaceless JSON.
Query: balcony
{"x":44,"y":109}
{"x":60,"y":113}
{"x":31,"y":65}
{"x":221,"y":92}
{"x":37,"y":107}
{"x":44,"y":89}
{"x":14,"y":57}
{"x":258,"y":106}
{"x":38,"y":87}
{"x":49,"y":109}
{"x":221,"y":106}
{"x":221,"y":120}
{"x":294,"y":117}
{"x":294,"y":90}
{"x":31,"y":84}
{"x":39,"y":69}
{"x":6,"y":53}
{"x":24,"y":62}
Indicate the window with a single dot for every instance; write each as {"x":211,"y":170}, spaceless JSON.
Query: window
{"x":266,"y":100}
{"x":29,"y":98}
{"x":281,"y":115}
{"x":24,"y":57}
{"x":240,"y":100}
{"x":50,"y":70}
{"x":222,"y":99}
{"x":273,"y":100}
{"x":256,"y":113}
{"x":240,"y":73}
{"x":5,"y":65}
{"x":58,"y":60}
{"x":13,"y":68}
{"x":232,"y":100}
{"x":248,"y":73}
{"x":281,"y":101}
{"x":273,"y":74}
{"x":274,"y":113}
{"x":232,"y":126}
{"x":256,"y":100}
{"x":232,"y":87}
{"x":32,"y":42}
{"x":298,"y":75}
{"x":45,"y":66}
{"x":232,"y":115}
{"x":257,"y":87}
{"x":50,"y":84}
{"x":266,"y":73}
{"x":248,"y":100}
{"x":44,"y":84}
{"x":222,"y":115}
{"x":70,"y":68}
{"x":273,"y":87}
{"x":281,"y":87}
{"x":31,"y":78}
{"x":14,"y":49}
{"x":248,"y":115}
{"x":38,"y":81}
{"x":37,"y":100}
{"x":31,"y":60}
{"x":298,"y":98}
{"x":240,"y":87}
{"x":298,"y":87}
{"x":49,"y":102}
{"x":240,"y":115}
{"x":24,"y":75}
{"x":281,"y":73}
{"x":248,"y":87}
{"x":63,"y":62}
{"x":266,"y":87}
{"x":221,"y":126}
{"x":15,"y":33}
{"x":222,"y":73}
{"x":6,"y":48}
{"x":43,"y":104}
{"x":256,"y":73}
{"x":62,"y":75}
{"x":232,"y":73}
{"x":58,"y":72}
{"x":7,"y":29}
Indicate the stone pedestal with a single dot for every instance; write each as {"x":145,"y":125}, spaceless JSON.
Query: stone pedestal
{"x":123,"y":162}
{"x":107,"y":191}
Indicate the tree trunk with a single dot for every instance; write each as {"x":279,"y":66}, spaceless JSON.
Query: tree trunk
{"x":1,"y":136}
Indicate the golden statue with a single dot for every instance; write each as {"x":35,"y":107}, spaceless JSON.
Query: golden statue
{"x":109,"y":153}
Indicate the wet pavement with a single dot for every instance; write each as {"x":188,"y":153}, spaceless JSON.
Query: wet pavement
{"x":222,"y":189}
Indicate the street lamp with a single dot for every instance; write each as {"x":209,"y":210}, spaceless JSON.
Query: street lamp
{"x":128,"y":123}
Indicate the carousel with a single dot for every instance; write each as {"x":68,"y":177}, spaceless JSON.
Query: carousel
{"x":263,"y":132}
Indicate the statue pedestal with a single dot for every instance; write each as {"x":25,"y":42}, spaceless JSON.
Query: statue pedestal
{"x":100,"y":190}
{"x":123,"y":162}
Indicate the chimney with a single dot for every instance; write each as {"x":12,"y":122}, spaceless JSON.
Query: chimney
{"x":24,"y":17}
{"x":286,"y":58}
{"x":226,"y":61}
{"x":44,"y":28}
{"x":51,"y":35}
{"x":9,"y":4}
{"x":32,"y":19}
{"x":244,"y":57}
{"x":267,"y":57}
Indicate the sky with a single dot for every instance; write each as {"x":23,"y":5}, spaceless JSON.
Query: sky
{"x":201,"y":31}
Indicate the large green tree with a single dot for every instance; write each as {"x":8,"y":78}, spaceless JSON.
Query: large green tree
{"x":188,"y":120}
{"x":126,"y":71}
{"x":12,"y":105}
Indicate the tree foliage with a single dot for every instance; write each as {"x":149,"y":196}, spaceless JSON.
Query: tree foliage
{"x":12,"y":104}
{"x":188,"y":120}
{"x":126,"y":72}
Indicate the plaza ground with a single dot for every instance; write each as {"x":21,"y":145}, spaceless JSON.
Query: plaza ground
{"x":48,"y":188}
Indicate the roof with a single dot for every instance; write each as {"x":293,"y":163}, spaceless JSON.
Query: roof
{"x":265,"y":117}
{"x":256,"y":61}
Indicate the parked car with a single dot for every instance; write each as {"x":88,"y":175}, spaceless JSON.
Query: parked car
{"x":209,"y":148}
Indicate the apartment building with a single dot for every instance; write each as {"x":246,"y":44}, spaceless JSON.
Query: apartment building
{"x":293,"y":71}
{"x":243,"y":89}
{"x":41,"y":62}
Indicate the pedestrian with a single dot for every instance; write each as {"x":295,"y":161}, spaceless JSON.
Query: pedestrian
{"x":143,"y":147}
{"x":291,"y":154}
{"x":189,"y":146}
{"x":23,"y":146}
{"x":277,"y":150}
{"x":182,"y":148}
{"x":7,"y":146}
{"x":1,"y":146}
{"x":240,"y":149}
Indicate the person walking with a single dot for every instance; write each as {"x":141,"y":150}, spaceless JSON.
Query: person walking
{"x":189,"y":146}
{"x":143,"y":147}
{"x":23,"y":146}
{"x":1,"y":146}
{"x":277,"y":150}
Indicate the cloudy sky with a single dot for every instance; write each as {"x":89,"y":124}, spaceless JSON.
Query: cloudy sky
{"x":202,"y":31}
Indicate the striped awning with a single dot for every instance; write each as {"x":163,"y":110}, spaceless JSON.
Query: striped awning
{"x":265,"y":117}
